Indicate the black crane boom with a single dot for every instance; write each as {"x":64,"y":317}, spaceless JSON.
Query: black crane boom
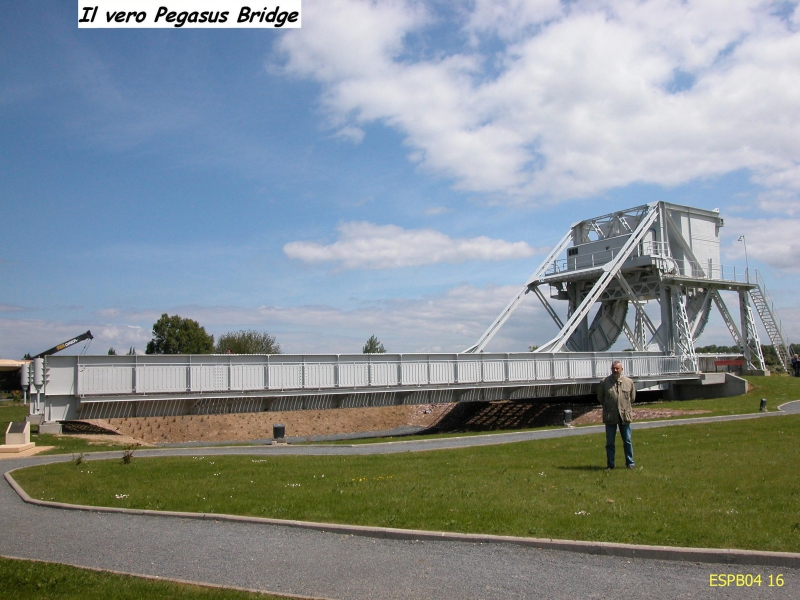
{"x":84,"y":336}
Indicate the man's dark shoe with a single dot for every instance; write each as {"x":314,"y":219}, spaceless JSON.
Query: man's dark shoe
{"x":631,"y":466}
{"x":609,"y":467}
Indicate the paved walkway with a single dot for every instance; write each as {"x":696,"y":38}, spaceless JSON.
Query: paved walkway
{"x":306,"y":562}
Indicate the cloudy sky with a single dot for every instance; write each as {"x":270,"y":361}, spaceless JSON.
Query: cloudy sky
{"x":396,"y":168}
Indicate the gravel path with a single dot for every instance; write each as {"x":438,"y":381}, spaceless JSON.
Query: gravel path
{"x":311,"y":563}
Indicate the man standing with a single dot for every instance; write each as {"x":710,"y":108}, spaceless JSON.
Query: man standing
{"x":616,"y":393}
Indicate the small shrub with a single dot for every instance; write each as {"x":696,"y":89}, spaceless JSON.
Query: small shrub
{"x":127,"y":454}
{"x":79,"y":460}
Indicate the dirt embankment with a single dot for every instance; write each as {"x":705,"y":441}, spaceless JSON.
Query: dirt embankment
{"x":467,"y":416}
{"x":253,"y":426}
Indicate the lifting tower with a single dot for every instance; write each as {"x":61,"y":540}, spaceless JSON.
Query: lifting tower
{"x":624,"y":260}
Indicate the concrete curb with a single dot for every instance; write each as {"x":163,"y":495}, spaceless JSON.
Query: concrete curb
{"x":214,"y":586}
{"x":702,"y":555}
{"x":780,"y":406}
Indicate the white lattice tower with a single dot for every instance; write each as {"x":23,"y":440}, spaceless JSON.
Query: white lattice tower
{"x":684,"y":345}
{"x":656,"y":253}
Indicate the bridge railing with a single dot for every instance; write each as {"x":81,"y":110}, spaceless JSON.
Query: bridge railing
{"x":92,"y":376}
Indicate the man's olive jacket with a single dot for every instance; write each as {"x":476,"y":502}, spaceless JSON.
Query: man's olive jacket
{"x":616,"y":396}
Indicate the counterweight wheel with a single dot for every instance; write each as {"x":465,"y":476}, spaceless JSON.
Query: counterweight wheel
{"x":606,"y":327}
{"x":694,"y":305}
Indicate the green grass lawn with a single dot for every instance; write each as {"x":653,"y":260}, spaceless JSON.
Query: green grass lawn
{"x":11,"y":411}
{"x":777,"y":389}
{"x":425,"y":436}
{"x":37,"y":580}
{"x":63,"y":444}
{"x":14,"y":411}
{"x":722,"y":485}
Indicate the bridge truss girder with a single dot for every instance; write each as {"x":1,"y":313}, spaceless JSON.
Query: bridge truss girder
{"x":667,"y":274}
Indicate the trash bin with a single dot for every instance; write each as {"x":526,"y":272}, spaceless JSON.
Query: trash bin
{"x":568,"y":417}
{"x":279,"y":431}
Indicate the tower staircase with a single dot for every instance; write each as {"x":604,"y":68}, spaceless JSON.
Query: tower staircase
{"x":766,"y":310}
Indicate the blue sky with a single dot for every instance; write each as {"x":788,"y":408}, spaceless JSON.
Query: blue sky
{"x":396,"y":168}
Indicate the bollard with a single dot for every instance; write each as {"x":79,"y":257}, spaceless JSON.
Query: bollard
{"x":567,"y":417}
{"x":763,"y":407}
{"x":279,"y":431}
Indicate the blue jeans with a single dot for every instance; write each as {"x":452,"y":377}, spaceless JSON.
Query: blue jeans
{"x":627,"y":445}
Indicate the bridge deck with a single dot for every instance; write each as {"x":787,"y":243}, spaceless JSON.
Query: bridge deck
{"x":178,"y":384}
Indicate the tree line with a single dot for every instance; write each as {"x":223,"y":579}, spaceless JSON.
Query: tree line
{"x":178,"y":335}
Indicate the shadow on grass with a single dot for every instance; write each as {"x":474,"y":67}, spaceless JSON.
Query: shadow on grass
{"x":583,"y":468}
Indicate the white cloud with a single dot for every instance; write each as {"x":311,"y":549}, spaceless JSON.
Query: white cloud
{"x":775,"y":242}
{"x":435,"y":211}
{"x":581,"y":97}
{"x":20,"y":336}
{"x":451,"y":321}
{"x":510,"y":18}
{"x":448,"y":322}
{"x":123,"y":337}
{"x":353,"y":134}
{"x":12,"y":308}
{"x":368,"y":246}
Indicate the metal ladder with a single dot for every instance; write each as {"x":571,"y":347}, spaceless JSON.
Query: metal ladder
{"x":766,"y":310}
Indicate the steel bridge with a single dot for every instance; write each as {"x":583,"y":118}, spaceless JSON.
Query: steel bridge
{"x":81,"y":387}
{"x":659,"y":252}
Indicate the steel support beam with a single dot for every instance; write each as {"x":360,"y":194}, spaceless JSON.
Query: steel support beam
{"x":683,"y":339}
{"x":752,"y":345}
{"x":640,"y":314}
{"x":512,"y":306}
{"x":548,"y":307}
